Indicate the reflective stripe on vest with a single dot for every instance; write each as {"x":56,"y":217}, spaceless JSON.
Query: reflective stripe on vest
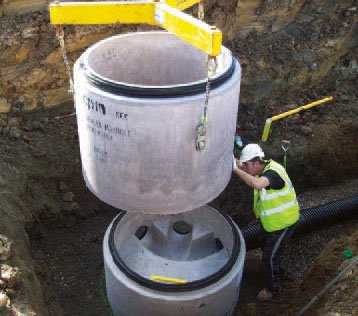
{"x":277,"y":209}
{"x":270,"y":196}
{"x":282,"y":173}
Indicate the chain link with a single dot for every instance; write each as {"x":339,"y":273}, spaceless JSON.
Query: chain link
{"x":207,"y":96}
{"x":211,"y":66}
{"x":201,"y":13}
{"x":61,"y":38}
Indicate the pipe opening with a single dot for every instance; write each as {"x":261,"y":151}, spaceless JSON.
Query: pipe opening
{"x":182,"y":227}
{"x":219,"y":244}
{"x":141,"y":232}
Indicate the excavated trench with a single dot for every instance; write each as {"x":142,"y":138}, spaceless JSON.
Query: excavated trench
{"x":51,"y":226}
{"x":62,"y":224}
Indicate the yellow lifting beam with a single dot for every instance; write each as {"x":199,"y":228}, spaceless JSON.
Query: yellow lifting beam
{"x":189,"y":29}
{"x":102,"y":12}
{"x":199,"y":34}
{"x":268,"y":122}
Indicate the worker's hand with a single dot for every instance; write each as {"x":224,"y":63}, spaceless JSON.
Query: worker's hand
{"x":234,"y":165}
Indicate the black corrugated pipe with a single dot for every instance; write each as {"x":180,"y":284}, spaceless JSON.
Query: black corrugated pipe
{"x":317,"y":216}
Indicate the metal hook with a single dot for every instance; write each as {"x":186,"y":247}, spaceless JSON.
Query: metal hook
{"x":285,"y":144}
{"x":211,"y":64}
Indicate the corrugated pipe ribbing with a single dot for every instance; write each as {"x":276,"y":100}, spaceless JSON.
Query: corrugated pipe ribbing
{"x":310,"y":218}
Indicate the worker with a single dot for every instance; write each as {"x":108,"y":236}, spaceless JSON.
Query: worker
{"x":275,"y":205}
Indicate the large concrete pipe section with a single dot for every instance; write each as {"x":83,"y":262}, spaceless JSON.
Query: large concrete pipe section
{"x":139,"y":98}
{"x":203,"y":246}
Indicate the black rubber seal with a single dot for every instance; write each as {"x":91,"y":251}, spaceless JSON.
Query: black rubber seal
{"x":156,"y":92}
{"x":190,"y":286}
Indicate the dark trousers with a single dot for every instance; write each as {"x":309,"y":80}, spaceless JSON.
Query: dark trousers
{"x":272,"y":250}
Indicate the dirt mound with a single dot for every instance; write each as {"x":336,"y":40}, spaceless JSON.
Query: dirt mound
{"x":342,"y":297}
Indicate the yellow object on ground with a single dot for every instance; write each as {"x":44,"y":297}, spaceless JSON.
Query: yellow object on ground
{"x":168,"y":280}
{"x":197,"y":33}
{"x":266,"y":131}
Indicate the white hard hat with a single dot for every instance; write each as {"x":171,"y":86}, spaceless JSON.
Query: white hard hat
{"x":251,"y":151}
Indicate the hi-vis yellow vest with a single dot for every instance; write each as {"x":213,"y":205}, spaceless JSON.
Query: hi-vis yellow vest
{"x":277,"y":209}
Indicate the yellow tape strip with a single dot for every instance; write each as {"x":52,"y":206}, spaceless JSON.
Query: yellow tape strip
{"x":169,"y":280}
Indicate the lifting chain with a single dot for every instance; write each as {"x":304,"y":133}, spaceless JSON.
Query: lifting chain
{"x":211,"y":66}
{"x":60,"y":34}
{"x":201,"y":13}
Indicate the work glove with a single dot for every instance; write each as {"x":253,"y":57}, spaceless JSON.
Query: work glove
{"x":234,"y":165}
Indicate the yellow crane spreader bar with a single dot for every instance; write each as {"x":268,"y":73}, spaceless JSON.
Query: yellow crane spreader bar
{"x":102,"y":12}
{"x":268,"y":122}
{"x":189,"y":29}
{"x":199,"y":34}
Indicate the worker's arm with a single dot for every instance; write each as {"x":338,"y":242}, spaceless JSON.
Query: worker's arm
{"x":251,"y":181}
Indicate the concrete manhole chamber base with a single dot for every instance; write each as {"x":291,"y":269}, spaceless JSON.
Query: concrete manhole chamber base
{"x":203,"y":247}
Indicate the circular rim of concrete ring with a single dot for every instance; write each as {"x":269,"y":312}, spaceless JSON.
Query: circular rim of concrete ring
{"x":190,"y":286}
{"x":144,"y":91}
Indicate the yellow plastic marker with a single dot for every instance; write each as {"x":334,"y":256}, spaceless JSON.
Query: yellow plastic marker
{"x":168,"y":280}
{"x":268,"y":122}
{"x":197,"y":33}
